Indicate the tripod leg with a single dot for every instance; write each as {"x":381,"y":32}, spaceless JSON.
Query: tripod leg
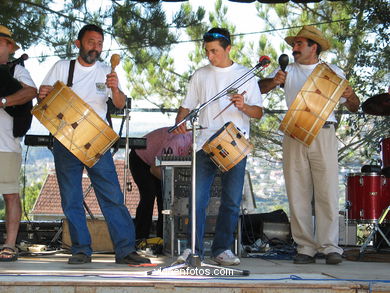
{"x":369,"y":238}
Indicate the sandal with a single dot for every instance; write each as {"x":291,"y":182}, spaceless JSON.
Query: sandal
{"x":8,"y":253}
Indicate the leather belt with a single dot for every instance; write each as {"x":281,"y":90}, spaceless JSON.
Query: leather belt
{"x":327,"y":124}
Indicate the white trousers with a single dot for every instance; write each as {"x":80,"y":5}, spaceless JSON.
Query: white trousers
{"x":311,"y":174}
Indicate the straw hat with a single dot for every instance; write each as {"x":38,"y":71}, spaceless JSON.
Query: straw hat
{"x":6,"y":34}
{"x":312,"y":33}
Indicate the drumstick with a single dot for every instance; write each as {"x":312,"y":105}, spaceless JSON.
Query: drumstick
{"x":243,"y":93}
{"x":115,"y":59}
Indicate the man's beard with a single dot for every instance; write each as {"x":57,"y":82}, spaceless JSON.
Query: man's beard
{"x":89,"y":57}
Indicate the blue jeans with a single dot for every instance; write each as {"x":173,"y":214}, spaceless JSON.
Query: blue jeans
{"x":232,"y":184}
{"x":105,"y":182}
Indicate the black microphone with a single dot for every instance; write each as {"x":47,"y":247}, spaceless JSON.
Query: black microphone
{"x":283,"y":62}
{"x":20,"y":60}
{"x":264,"y":61}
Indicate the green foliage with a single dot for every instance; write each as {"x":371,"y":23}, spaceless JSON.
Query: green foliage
{"x":2,"y":209}
{"x":24,"y":20}
{"x":30,"y":195}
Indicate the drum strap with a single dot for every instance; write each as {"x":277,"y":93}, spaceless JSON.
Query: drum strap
{"x":70,"y":74}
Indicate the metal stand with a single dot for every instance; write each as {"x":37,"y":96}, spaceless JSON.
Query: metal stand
{"x":376,"y":229}
{"x":126,"y":164}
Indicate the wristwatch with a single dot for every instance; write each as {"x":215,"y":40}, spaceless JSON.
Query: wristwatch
{"x":3,"y":101}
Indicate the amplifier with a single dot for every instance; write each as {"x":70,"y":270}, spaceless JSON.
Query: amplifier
{"x":100,"y":236}
{"x":177,"y":188}
{"x":35,"y":232}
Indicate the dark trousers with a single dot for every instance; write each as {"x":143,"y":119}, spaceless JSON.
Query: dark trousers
{"x":149,"y":188}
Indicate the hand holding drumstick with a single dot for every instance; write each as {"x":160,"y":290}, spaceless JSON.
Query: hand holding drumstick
{"x":237,"y":100}
{"x":112,"y":78}
{"x":112,"y":82}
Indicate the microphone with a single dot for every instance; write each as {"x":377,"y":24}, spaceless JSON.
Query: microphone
{"x":283,"y":62}
{"x":264,"y":61}
{"x":20,"y":60}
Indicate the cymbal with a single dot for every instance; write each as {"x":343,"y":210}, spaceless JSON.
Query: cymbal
{"x":378,"y":105}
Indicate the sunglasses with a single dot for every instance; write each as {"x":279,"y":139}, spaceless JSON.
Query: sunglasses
{"x":215,"y":36}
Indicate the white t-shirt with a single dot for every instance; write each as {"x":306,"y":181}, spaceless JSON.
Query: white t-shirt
{"x":89,"y":83}
{"x":9,"y":143}
{"x":207,"y":82}
{"x":297,"y":74}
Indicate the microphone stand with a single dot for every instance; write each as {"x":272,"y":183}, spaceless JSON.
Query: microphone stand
{"x":126,"y":165}
{"x":194,"y":265}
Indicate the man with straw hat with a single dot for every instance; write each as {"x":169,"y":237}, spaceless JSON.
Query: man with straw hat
{"x":311,"y":173}
{"x":10,"y":148}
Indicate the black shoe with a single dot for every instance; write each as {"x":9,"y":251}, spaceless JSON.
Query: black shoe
{"x":79,"y":258}
{"x":303,"y":259}
{"x":333,"y":258}
{"x":132,"y":259}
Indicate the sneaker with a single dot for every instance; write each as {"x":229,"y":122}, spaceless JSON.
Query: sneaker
{"x":79,"y":258}
{"x":333,"y":258}
{"x":302,"y":259}
{"x":183,"y":257}
{"x":226,"y":258}
{"x":132,"y":259}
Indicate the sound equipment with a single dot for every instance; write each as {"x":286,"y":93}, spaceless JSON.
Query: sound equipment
{"x":176,"y":180}
{"x":34,"y":232}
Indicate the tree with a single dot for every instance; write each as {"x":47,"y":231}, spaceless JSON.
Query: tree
{"x":30,"y":195}
{"x":26,"y":22}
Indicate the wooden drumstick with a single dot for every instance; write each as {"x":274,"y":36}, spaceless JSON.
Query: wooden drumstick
{"x":115,"y":59}
{"x":224,"y":109}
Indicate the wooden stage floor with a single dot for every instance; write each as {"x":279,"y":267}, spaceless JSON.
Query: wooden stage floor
{"x":51,"y":273}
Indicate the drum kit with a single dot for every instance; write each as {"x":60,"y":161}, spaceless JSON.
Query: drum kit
{"x":368,"y":193}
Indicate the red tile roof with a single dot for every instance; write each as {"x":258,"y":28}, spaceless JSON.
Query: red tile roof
{"x":49,"y":202}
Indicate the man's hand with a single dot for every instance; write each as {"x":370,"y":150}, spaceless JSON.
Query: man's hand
{"x":44,"y":90}
{"x":353,"y":101}
{"x":183,"y":112}
{"x":238,"y":101}
{"x":112,"y":81}
{"x":280,"y":77}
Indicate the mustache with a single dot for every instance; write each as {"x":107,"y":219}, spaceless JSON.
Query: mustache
{"x":92,"y":51}
{"x":296,"y":53}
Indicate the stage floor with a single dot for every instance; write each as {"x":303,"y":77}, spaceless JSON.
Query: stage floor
{"x":51,"y":273}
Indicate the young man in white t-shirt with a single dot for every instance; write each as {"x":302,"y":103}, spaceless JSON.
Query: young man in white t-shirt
{"x":205,"y":83}
{"x":10,"y":149}
{"x":311,"y":172}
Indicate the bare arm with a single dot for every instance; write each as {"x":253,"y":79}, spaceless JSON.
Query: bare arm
{"x":183,"y":112}
{"x":22,"y":96}
{"x":156,"y":171}
{"x":268,"y":84}
{"x":118,"y":97}
{"x":251,"y":111}
{"x":353,"y":101}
